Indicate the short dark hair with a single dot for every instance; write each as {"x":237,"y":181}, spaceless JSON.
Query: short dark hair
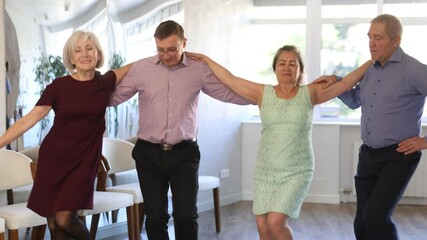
{"x":290,"y":48}
{"x":168,"y":28}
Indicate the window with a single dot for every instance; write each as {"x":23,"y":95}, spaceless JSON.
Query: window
{"x":344,"y":48}
{"x":343,"y":38}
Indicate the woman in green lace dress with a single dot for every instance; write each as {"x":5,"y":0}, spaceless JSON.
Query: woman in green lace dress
{"x":285,"y":159}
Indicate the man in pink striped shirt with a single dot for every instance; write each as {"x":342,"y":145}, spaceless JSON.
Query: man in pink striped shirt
{"x":167,"y":153}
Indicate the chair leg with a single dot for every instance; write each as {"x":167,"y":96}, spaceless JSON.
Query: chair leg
{"x":141,"y":215}
{"x":94,"y":225}
{"x":2,"y":236}
{"x":135,"y":212}
{"x":13,"y":234}
{"x":136,"y":220}
{"x":38,"y":232}
{"x":114,"y":215}
{"x":131,"y":223}
{"x":217,"y":208}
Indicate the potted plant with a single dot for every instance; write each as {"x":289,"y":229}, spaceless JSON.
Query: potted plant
{"x":116,"y":61}
{"x":47,"y":68}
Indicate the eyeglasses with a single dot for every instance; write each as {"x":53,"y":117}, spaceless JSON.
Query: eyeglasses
{"x":169,"y":51}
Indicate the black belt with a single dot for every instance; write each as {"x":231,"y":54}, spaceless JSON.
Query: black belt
{"x":169,"y":147}
{"x":382,"y":150}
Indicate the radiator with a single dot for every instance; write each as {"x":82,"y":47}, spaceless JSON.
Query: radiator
{"x":417,"y":187}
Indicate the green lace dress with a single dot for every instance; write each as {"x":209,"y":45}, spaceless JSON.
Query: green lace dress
{"x":285,"y":160}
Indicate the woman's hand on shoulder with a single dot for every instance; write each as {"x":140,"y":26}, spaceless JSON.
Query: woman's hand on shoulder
{"x":196,"y":56}
{"x":121,"y":72}
{"x":319,"y":88}
{"x":325,"y":80}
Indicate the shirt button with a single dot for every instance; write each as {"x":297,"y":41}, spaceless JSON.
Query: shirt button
{"x":379,"y":80}
{"x":371,"y":106}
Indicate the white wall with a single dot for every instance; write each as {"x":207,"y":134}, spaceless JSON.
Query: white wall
{"x":208,"y":25}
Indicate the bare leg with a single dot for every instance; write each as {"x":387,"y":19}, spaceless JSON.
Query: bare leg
{"x":261,"y":222}
{"x":274,"y":226}
{"x":278,"y":226}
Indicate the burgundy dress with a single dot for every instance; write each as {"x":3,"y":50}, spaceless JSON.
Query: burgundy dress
{"x":69,"y":154}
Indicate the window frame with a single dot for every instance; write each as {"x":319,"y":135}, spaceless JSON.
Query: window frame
{"x":314,"y":22}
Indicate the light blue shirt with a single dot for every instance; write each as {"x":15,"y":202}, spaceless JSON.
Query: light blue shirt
{"x":392,"y":100}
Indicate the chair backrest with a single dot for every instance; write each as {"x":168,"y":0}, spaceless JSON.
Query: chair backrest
{"x":118,"y":153}
{"x":132,"y":139}
{"x":15,"y":170}
{"x":32,"y":152}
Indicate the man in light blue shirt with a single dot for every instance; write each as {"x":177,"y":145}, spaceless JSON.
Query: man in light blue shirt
{"x":392,"y":96}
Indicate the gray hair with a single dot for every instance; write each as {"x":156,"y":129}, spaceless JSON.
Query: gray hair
{"x":393,"y":26}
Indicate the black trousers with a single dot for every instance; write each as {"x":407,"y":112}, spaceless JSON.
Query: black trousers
{"x":381,"y":179}
{"x":157,"y":170}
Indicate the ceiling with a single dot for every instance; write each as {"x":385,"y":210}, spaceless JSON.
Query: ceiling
{"x":53,"y":12}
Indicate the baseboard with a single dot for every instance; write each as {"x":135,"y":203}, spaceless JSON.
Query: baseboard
{"x":247,"y":196}
{"x":323,"y":198}
{"x":405,"y":200}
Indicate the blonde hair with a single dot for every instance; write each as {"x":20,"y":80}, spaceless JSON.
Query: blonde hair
{"x":71,"y":44}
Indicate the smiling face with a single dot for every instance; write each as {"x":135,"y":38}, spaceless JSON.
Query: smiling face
{"x":84,"y":56}
{"x":170,"y":50}
{"x":288,"y":68}
{"x":381,"y":45}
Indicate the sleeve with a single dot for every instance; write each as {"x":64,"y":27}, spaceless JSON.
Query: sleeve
{"x":48,"y":96}
{"x":126,"y":88}
{"x":213,"y":87}
{"x":110,"y":78}
{"x":418,"y":74}
{"x":351,"y":98}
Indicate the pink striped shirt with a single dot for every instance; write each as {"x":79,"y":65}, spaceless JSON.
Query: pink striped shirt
{"x":168,"y":97}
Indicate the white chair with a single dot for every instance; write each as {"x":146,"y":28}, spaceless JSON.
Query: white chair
{"x":108,"y":201}
{"x":205,"y":183}
{"x":211,"y":182}
{"x":102,"y":202}
{"x":2,"y":229}
{"x":132,"y":140}
{"x":32,"y":153}
{"x":119,"y":156}
{"x":21,"y":194}
{"x":105,"y":202}
{"x":16,"y":171}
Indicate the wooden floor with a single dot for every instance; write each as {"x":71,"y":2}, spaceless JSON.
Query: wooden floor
{"x":316,"y":222}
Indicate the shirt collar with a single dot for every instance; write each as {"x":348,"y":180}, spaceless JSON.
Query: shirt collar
{"x":397,"y":56}
{"x":184,"y":62}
